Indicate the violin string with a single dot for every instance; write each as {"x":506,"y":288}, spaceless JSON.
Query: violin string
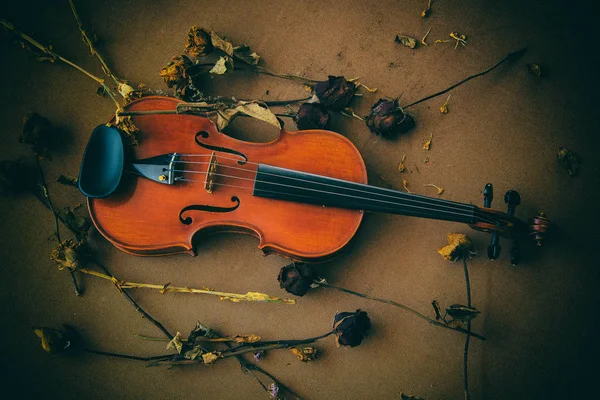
{"x":395,"y":195}
{"x":310,"y":197}
{"x":463,"y":213}
{"x":273,"y":191}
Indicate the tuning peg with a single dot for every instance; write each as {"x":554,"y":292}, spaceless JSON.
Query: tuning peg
{"x":513,"y":199}
{"x":494,"y":248}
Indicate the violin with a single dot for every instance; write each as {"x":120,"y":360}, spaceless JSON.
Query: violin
{"x":303,"y":195}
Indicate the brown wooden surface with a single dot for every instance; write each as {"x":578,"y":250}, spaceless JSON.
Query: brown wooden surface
{"x":142,"y":216}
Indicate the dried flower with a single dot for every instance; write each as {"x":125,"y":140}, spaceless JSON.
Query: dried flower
{"x":388,"y":119}
{"x":68,"y":254}
{"x":37,"y":133}
{"x":459,"y":246}
{"x":127,"y":127}
{"x":174,"y":73}
{"x":296,"y":278}
{"x":351,"y":328}
{"x":199,"y":42}
{"x":259,"y":355}
{"x":210,"y":358}
{"x":312,"y":116}
{"x":336,"y":92}
{"x":569,"y":159}
{"x":406,"y":41}
{"x":273,"y":390}
{"x":401,"y":166}
{"x":427,"y":144}
{"x":444,"y":107}
{"x":305,"y":354}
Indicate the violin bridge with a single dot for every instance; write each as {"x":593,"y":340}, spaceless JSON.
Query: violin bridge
{"x":209,"y":181}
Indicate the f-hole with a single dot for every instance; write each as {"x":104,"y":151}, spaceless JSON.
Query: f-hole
{"x":204,"y":135}
{"x":207,"y":208}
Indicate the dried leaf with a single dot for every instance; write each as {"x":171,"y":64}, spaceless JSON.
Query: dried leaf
{"x":193,"y":353}
{"x":68,"y":180}
{"x":125,"y":89}
{"x":401,"y":166}
{"x":462,"y":313}
{"x":251,"y":338}
{"x":222,"y":65}
{"x":243,"y":53}
{"x":199,"y":42}
{"x":406,"y":41}
{"x":459,"y":245}
{"x":405,"y":185}
{"x":427,"y":144}
{"x":444,"y":108}
{"x":200,"y":331}
{"x":439,"y":189}
{"x":175,"y":343}
{"x":221,"y":44}
{"x":569,"y":159}
{"x":68,"y":254}
{"x":534,"y":69}
{"x":210,"y":358}
{"x":257,"y":111}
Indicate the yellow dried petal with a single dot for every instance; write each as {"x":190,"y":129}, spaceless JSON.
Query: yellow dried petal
{"x":458,"y":244}
{"x":427,"y":144}
{"x":210,"y":358}
{"x":405,"y":185}
{"x":401,"y":166}
{"x":251,"y":338}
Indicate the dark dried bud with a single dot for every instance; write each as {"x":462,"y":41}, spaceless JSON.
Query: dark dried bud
{"x":199,"y":42}
{"x":388,"y":119}
{"x":56,"y":341}
{"x":174,"y":73}
{"x":351,"y":328}
{"x":336,"y":92}
{"x":37,"y":133}
{"x":296,"y":278}
{"x":69,"y":254}
{"x":312,"y":116}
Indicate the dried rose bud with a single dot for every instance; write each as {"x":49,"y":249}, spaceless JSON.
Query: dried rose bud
{"x":296,"y":278}
{"x":68,"y":254}
{"x":388,"y":119}
{"x":174,"y":73}
{"x":58,"y":341}
{"x":336,"y":92}
{"x":312,"y":116}
{"x":569,"y":159}
{"x":37,"y":133}
{"x":199,"y":42}
{"x":351,"y":328}
{"x":305,"y":354}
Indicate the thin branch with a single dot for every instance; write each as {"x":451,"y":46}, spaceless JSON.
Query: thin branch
{"x":513,"y":55}
{"x":235,"y":297}
{"x":48,"y":203}
{"x":466,"y":350}
{"x":86,"y":39}
{"x":127,"y":356}
{"x":402,"y":306}
{"x":137,"y":306}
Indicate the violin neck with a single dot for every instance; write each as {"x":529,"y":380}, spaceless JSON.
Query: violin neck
{"x":286,"y":184}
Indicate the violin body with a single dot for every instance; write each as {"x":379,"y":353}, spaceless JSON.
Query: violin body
{"x":144,"y":217}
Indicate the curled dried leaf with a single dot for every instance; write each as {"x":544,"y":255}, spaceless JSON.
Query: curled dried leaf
{"x":251,"y":338}
{"x":222,"y":65}
{"x":569,"y":159}
{"x":175,"y":343}
{"x":401,"y":166}
{"x":68,"y":254}
{"x":459,"y":246}
{"x":439,"y":189}
{"x":406,"y":41}
{"x":243,"y":53}
{"x":405,"y":185}
{"x":427,"y":144}
{"x":67,"y":180}
{"x":444,"y":108}
{"x":209,"y":358}
{"x":305,"y":354}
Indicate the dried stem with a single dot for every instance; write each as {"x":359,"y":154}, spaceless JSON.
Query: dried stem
{"x":48,"y":202}
{"x":513,"y":55}
{"x":235,"y":297}
{"x":54,"y":55}
{"x":86,"y":39}
{"x":466,"y":351}
{"x":264,"y":71}
{"x":127,"y":356}
{"x":402,"y":306}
